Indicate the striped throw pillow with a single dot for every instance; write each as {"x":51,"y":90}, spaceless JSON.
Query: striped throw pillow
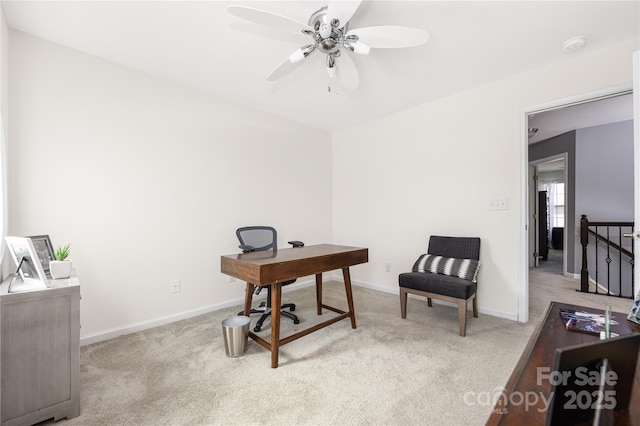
{"x":467,"y":269}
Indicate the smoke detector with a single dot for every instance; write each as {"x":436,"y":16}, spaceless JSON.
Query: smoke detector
{"x":574,"y":43}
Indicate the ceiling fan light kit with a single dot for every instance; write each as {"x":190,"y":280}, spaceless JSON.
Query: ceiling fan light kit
{"x":329,"y":30}
{"x":359,"y":47}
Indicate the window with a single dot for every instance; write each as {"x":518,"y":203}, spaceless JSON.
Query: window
{"x":556,"y":204}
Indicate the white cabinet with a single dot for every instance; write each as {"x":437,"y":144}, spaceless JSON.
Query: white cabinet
{"x":40,"y":353}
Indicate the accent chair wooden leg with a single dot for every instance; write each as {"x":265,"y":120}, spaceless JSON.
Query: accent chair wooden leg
{"x":429,"y":302}
{"x":462,"y":316}
{"x":403,"y":303}
{"x":475,"y":306}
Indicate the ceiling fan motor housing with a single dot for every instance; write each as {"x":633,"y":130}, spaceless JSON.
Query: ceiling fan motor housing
{"x":328,"y":35}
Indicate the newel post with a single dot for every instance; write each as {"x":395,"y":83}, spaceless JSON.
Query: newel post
{"x":584,"y":241}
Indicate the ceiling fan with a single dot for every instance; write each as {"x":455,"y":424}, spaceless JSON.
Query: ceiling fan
{"x":329,"y":30}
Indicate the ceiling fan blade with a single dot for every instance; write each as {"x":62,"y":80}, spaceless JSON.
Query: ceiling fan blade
{"x":386,"y":37}
{"x":281,"y":70}
{"x":347,"y":72}
{"x":342,"y":10}
{"x":290,"y":63}
{"x":268,"y":18}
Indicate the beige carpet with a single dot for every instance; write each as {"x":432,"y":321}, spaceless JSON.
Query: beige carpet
{"x":545,"y":284}
{"x":388,"y":371}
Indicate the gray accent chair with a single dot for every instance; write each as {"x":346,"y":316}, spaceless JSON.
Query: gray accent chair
{"x":444,"y":287}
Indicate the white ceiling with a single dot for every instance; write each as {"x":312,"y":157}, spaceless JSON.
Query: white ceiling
{"x":199,"y":45}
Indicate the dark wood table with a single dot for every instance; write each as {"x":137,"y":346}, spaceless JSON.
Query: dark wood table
{"x":549,"y":335}
{"x":263,"y":268}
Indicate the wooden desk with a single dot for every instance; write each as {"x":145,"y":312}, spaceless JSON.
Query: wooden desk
{"x":549,"y":335}
{"x":273,"y":267}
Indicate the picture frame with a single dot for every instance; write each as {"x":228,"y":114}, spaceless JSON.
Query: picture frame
{"x":30,"y":270}
{"x":44,"y":249}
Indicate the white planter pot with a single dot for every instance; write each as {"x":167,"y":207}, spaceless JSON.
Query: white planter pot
{"x":60,"y":269}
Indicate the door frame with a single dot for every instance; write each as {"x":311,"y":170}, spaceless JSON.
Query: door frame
{"x":636,"y":161}
{"x":523,"y":258}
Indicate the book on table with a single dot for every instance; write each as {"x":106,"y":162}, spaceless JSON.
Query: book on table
{"x":585,"y":322}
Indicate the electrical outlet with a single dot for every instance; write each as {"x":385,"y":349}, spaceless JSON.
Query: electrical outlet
{"x":175,"y":286}
{"x":387,"y":267}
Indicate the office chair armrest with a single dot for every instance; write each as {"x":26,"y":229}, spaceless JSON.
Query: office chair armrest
{"x":246,"y":249}
{"x":296,"y":243}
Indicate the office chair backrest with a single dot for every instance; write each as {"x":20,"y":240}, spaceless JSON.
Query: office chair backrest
{"x":259,"y":237}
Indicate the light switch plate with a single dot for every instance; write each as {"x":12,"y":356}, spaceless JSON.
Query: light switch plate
{"x":498,"y":204}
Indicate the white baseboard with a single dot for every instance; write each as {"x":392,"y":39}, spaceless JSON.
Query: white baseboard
{"x":116,"y":332}
{"x":134,"y":328}
{"x":305,"y":282}
{"x":500,"y":314}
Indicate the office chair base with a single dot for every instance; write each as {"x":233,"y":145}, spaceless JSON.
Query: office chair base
{"x":282,"y":312}
{"x":262,"y":308}
{"x":266,"y":312}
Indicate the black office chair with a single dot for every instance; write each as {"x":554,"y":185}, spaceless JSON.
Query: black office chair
{"x":262,"y":238}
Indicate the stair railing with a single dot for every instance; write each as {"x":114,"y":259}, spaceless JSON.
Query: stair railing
{"x":602,"y":234}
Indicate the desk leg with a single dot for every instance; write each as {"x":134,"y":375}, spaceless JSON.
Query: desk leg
{"x":248,"y":298}
{"x":319,"y":293}
{"x":276,"y":302}
{"x":347,"y":287}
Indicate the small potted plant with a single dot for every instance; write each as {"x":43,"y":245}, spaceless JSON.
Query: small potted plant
{"x":61,"y":266}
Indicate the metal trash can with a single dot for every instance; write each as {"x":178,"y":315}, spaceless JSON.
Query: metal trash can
{"x":236,"y":332}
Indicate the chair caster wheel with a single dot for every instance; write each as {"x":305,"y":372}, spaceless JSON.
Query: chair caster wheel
{"x":296,"y":322}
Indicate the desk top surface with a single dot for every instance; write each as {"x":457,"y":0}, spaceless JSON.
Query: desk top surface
{"x":291,"y":254}
{"x":266,"y":267}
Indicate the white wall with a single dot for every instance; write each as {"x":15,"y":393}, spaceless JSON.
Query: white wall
{"x":432,"y":170}
{"x":154,"y":177}
{"x":148,"y":181}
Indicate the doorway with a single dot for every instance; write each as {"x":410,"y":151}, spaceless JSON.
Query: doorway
{"x":553,"y":114}
{"x":549,"y":197}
